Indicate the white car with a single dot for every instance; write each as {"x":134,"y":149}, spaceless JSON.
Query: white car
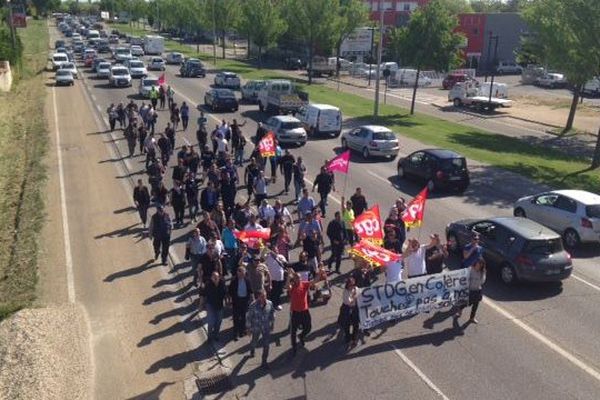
{"x":137,"y":50}
{"x":119,"y":76}
{"x":575,"y":214}
{"x":64,"y":77}
{"x":71,"y":67}
{"x":103,"y":70}
{"x":122,"y":54}
{"x":552,"y":81}
{"x":287,"y":129}
{"x":371,"y":140}
{"x":137,"y":69}
{"x":146,"y":84}
{"x":174,"y":58}
{"x":227,"y":79}
{"x":156,"y":64}
{"x":509,"y":67}
{"x":58,"y":59}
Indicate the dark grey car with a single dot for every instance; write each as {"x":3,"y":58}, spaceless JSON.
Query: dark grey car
{"x":519,"y":248}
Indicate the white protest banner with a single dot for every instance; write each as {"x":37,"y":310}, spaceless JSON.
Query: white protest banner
{"x":393,"y":300}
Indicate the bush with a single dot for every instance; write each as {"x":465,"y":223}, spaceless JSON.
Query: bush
{"x":7,"y":52}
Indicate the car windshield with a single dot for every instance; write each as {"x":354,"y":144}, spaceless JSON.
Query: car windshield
{"x":122,"y":51}
{"x":544,"y":247}
{"x":229,"y":76}
{"x":453,"y":164}
{"x":224,"y":94}
{"x":104,"y":66}
{"x":136,"y":64}
{"x":67,"y":66}
{"x":291,"y":125}
{"x":150,"y":82}
{"x":157,"y":60}
{"x":593,"y":211}
{"x":60,"y":58}
{"x":120,"y":71}
{"x":63,"y":72}
{"x":383,"y":136}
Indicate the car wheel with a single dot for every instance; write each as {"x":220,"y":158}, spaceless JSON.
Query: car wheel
{"x":365,"y":153}
{"x":401,"y":172}
{"x":453,"y":245}
{"x":571,"y":238}
{"x":457,"y":103}
{"x":519,"y":212}
{"x":344,"y":144}
{"x":508,"y":274}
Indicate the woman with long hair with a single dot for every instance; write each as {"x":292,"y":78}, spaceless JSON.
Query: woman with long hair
{"x":477,"y":276}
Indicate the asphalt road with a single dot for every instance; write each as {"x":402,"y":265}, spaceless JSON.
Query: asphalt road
{"x":533,"y":341}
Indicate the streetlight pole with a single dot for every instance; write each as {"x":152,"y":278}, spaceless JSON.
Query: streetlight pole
{"x":491,"y":62}
{"x":372,"y":29}
{"x":379,"y":51}
{"x":214,"y":33}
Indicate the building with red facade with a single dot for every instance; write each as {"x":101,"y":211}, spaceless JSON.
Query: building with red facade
{"x":395,"y":12}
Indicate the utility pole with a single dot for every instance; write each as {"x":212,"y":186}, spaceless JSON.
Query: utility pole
{"x":379,"y":51}
{"x":372,"y":29}
{"x":495,"y":39}
{"x":214,"y":20}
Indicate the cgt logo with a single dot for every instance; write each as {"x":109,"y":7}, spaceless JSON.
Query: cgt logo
{"x":413,"y":210}
{"x":367,"y":227}
{"x":377,"y":255}
{"x":338,"y":163}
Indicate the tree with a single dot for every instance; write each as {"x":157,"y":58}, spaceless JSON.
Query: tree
{"x":352,"y":14}
{"x":456,"y":7}
{"x":314,"y":22}
{"x":223,"y":15}
{"x":530,"y":51}
{"x":261,"y":19}
{"x":429,"y":41}
{"x":568,"y":42}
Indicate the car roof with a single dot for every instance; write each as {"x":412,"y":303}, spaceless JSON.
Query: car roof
{"x":286,"y":118}
{"x":324,"y":107}
{"x":63,"y":72}
{"x":154,"y":78}
{"x":376,"y":128}
{"x":222,"y":90}
{"x":586,"y":198}
{"x":228,"y":73}
{"x":442,"y":153}
{"x":526,"y":228}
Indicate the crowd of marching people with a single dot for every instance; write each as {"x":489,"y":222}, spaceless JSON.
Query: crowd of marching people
{"x":242,"y":235}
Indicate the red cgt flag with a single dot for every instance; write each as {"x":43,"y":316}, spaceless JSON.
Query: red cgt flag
{"x":413,"y":215}
{"x":368,"y":225}
{"x":162,"y":79}
{"x":374,"y":254}
{"x":340,"y":163}
{"x":266,"y":146}
{"x":253,"y":239}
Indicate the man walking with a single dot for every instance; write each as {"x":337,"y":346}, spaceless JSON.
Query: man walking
{"x":240,"y":294}
{"x":214,"y":291}
{"x":324,"y":182}
{"x":141,"y":198}
{"x":298,"y":293}
{"x":337,"y":236}
{"x":261,"y":320}
{"x":160,"y":233}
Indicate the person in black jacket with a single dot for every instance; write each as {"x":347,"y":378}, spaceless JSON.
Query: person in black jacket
{"x":337,"y":236}
{"x":286,"y":164}
{"x":178,"y":202}
{"x":240,"y":294}
{"x":359,"y":202}
{"x":160,"y":233}
{"x":215,"y":292}
{"x":325,"y":183}
{"x":141,"y":198}
{"x":179,"y":170}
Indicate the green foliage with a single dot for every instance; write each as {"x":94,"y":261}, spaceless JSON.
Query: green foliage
{"x":530,"y":51}
{"x":352,"y":14}
{"x":261,"y":21}
{"x":7,"y":52}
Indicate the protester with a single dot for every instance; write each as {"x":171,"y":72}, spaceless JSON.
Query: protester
{"x":472,"y":252}
{"x":395,"y":222}
{"x":195,"y":248}
{"x":477,"y":277}
{"x":261,"y":320}
{"x":414,"y":259}
{"x":260,"y":188}
{"x":231,"y":246}
{"x":214,"y":292}
{"x":325,"y":183}
{"x":286,"y":164}
{"x":349,"y":317}
{"x":300,"y":318}
{"x":141,"y":198}
{"x":435,"y":255}
{"x":177,"y":194}
{"x":348,"y":217}
{"x":305,"y":205}
{"x":337,"y":237}
{"x":160,"y":233}
{"x":185,"y":115}
{"x":259,"y":276}
{"x":276,"y":265}
{"x":298,"y":172}
{"x":240,"y":295}
{"x":209,"y":262}
{"x":359,"y":202}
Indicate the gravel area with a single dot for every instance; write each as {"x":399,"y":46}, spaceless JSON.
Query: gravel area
{"x":44,"y":354}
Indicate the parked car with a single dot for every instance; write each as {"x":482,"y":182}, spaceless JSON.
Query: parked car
{"x":103,"y":70}
{"x":174,"y":58}
{"x":508,"y":67}
{"x":71,"y":67}
{"x":137,"y":69}
{"x":371,"y":140}
{"x":251,"y":89}
{"x":228,"y":80}
{"x":321,"y":119}
{"x":137,"y":50}
{"x":452,"y":79}
{"x":552,"y":81}
{"x":119,"y":76}
{"x":287,"y":129}
{"x":192,"y":68}
{"x":518,"y":248}
{"x":221,"y":99}
{"x":591,"y":87}
{"x":575,"y":214}
{"x":440,"y":168}
{"x":64,"y":77}
{"x":146,"y":84}
{"x":157,"y":64}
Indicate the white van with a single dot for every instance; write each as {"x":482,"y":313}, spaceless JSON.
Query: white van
{"x":154,"y":44}
{"x":500,"y":90}
{"x":321,"y":119}
{"x":407,"y":77}
{"x":93,"y":34}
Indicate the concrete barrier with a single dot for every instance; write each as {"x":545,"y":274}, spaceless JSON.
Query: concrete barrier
{"x":6,"y":77}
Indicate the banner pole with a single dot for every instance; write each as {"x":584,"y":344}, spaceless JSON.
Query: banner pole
{"x":345,"y":185}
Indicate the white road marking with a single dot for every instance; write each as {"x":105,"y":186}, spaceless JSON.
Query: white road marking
{"x":373,"y":174}
{"x":63,"y":206}
{"x":420,"y":373}
{"x":595,"y":287}
{"x":543,"y":339}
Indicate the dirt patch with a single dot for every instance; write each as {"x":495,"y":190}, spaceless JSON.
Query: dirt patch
{"x":44,"y":355}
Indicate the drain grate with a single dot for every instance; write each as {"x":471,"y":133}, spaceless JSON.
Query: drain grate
{"x":213,"y":383}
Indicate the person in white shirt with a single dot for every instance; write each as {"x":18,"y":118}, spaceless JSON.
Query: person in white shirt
{"x":414,"y":258}
{"x":266,"y":213}
{"x":222,"y":145}
{"x":393,"y":271}
{"x":276,"y":264}
{"x":253,"y":225}
{"x":284,"y":213}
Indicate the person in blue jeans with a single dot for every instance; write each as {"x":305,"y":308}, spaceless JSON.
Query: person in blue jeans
{"x":472,"y":252}
{"x":214,"y":292}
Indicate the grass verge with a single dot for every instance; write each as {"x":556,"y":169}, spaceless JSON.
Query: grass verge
{"x":23,"y":143}
{"x":541,"y":164}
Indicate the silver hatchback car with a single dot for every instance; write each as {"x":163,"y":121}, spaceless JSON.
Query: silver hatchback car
{"x":371,"y":140}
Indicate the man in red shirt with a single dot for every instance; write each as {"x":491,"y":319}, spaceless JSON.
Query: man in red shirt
{"x":298,"y":293}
